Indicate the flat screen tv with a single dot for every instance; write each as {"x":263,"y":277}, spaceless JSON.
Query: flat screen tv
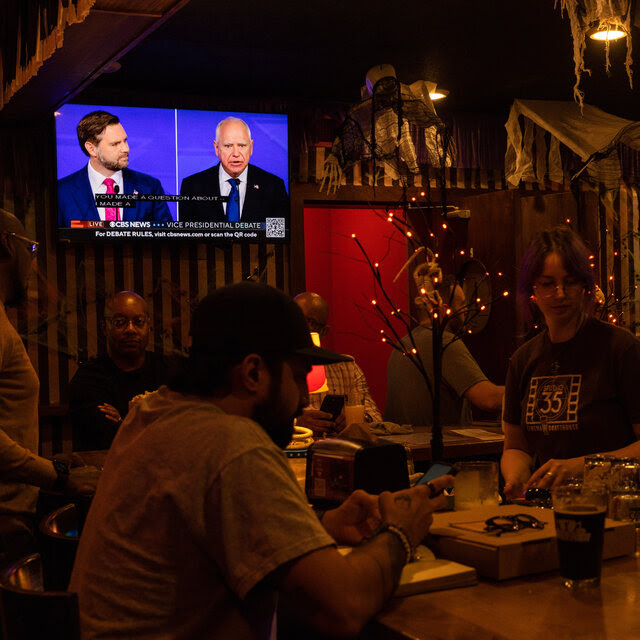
{"x":171,"y":184}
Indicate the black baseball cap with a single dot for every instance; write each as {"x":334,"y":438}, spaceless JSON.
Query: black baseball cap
{"x":254,"y":318}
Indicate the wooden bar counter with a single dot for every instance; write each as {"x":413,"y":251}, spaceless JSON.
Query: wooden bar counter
{"x":534,"y":607}
{"x":459,"y":441}
{"x":530,"y":608}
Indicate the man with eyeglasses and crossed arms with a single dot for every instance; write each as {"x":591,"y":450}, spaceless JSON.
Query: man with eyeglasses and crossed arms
{"x":102,"y":387}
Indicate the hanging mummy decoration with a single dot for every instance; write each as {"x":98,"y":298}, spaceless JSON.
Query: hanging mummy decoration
{"x":395,"y":126}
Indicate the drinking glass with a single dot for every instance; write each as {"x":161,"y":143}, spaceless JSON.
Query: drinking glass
{"x":579,"y":512}
{"x":624,"y":493}
{"x":597,"y":468}
{"x":354,"y":408}
{"x":476,"y":484}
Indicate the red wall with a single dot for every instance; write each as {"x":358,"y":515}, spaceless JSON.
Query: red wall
{"x":338,"y":271}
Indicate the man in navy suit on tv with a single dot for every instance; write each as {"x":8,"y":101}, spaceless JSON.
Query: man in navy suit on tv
{"x":258,"y":194}
{"x":104,"y":140}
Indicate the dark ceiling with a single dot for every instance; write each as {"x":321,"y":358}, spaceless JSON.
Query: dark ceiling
{"x":485,"y":53}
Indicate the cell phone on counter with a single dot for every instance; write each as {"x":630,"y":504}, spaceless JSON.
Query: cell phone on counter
{"x":436,"y":470}
{"x":332,"y":404}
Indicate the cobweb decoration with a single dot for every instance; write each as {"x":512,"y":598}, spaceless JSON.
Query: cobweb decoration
{"x":381,"y":129}
{"x":585,"y":14}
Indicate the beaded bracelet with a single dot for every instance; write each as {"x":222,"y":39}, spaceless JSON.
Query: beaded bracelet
{"x":402,"y":536}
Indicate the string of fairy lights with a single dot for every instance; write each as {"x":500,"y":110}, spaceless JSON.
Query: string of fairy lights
{"x":441,"y":316}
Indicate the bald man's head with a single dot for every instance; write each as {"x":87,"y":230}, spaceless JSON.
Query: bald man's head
{"x":315,"y":310}
{"x":127,"y":329}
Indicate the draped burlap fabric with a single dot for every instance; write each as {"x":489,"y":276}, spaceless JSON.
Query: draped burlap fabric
{"x":396,"y":127}
{"x":31,"y":32}
{"x":585,"y":131}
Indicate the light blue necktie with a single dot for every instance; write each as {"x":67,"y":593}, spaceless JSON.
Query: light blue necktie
{"x":233,"y":205}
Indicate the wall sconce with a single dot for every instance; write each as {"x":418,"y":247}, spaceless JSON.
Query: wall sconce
{"x":435,"y":92}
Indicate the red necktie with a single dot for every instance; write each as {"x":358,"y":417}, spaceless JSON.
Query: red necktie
{"x":110,"y":213}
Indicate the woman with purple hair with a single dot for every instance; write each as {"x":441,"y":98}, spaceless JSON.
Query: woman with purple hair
{"x":570,"y":390}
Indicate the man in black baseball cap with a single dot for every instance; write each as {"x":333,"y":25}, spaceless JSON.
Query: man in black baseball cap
{"x":198,"y":520}
{"x":249,"y":317}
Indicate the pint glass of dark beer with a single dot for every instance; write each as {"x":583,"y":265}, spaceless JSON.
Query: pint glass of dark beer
{"x":579,"y":512}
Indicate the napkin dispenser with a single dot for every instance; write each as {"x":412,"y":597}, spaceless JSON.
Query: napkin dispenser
{"x":336,"y":468}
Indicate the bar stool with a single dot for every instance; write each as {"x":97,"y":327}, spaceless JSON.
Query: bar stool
{"x":58,"y":540}
{"x":28,"y":612}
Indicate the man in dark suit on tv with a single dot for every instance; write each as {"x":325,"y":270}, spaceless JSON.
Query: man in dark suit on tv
{"x":254,"y":194}
{"x":104,"y":140}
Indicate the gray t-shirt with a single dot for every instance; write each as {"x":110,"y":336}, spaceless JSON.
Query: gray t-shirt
{"x":408,"y":397}
{"x":194,"y":508}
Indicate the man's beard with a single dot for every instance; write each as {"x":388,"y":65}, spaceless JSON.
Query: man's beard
{"x":269,"y":415}
{"x":113,"y":166}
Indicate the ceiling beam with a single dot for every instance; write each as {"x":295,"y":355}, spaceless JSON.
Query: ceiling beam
{"x":112,"y":28}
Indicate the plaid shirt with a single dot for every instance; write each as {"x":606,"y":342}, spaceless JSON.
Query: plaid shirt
{"x":343,"y":377}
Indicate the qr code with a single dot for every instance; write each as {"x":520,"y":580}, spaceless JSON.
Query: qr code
{"x":275,"y":228}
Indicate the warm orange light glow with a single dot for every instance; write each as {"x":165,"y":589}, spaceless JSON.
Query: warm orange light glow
{"x":592,"y":257}
{"x":444,"y":225}
{"x":605,"y":34}
{"x":376,"y":265}
{"x":568,"y":220}
{"x":478,"y":300}
{"x":409,"y":234}
{"x":413,"y":199}
{"x":423,"y":194}
{"x":435,"y":314}
{"x":414,"y":351}
{"x":483,"y":307}
{"x":500,"y":273}
{"x":374,"y":302}
{"x":353,"y":235}
{"x":505,"y":293}
{"x":461,"y":252}
{"x":448,"y":312}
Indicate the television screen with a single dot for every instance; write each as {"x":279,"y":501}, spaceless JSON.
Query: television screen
{"x":167,"y":173}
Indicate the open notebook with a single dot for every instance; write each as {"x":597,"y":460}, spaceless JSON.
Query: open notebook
{"x":429,"y":573}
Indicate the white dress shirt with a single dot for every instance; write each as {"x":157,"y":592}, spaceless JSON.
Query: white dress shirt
{"x":98,"y":186}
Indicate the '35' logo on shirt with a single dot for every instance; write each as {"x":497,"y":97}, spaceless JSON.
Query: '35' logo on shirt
{"x":553,"y":399}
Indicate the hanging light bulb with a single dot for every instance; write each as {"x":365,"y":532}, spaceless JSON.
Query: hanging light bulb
{"x":606,"y":33}
{"x":435,"y":92}
{"x":438,"y":94}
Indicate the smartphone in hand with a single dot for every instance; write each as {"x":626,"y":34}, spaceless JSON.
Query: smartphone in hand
{"x":332,"y":404}
{"x":436,"y":470}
